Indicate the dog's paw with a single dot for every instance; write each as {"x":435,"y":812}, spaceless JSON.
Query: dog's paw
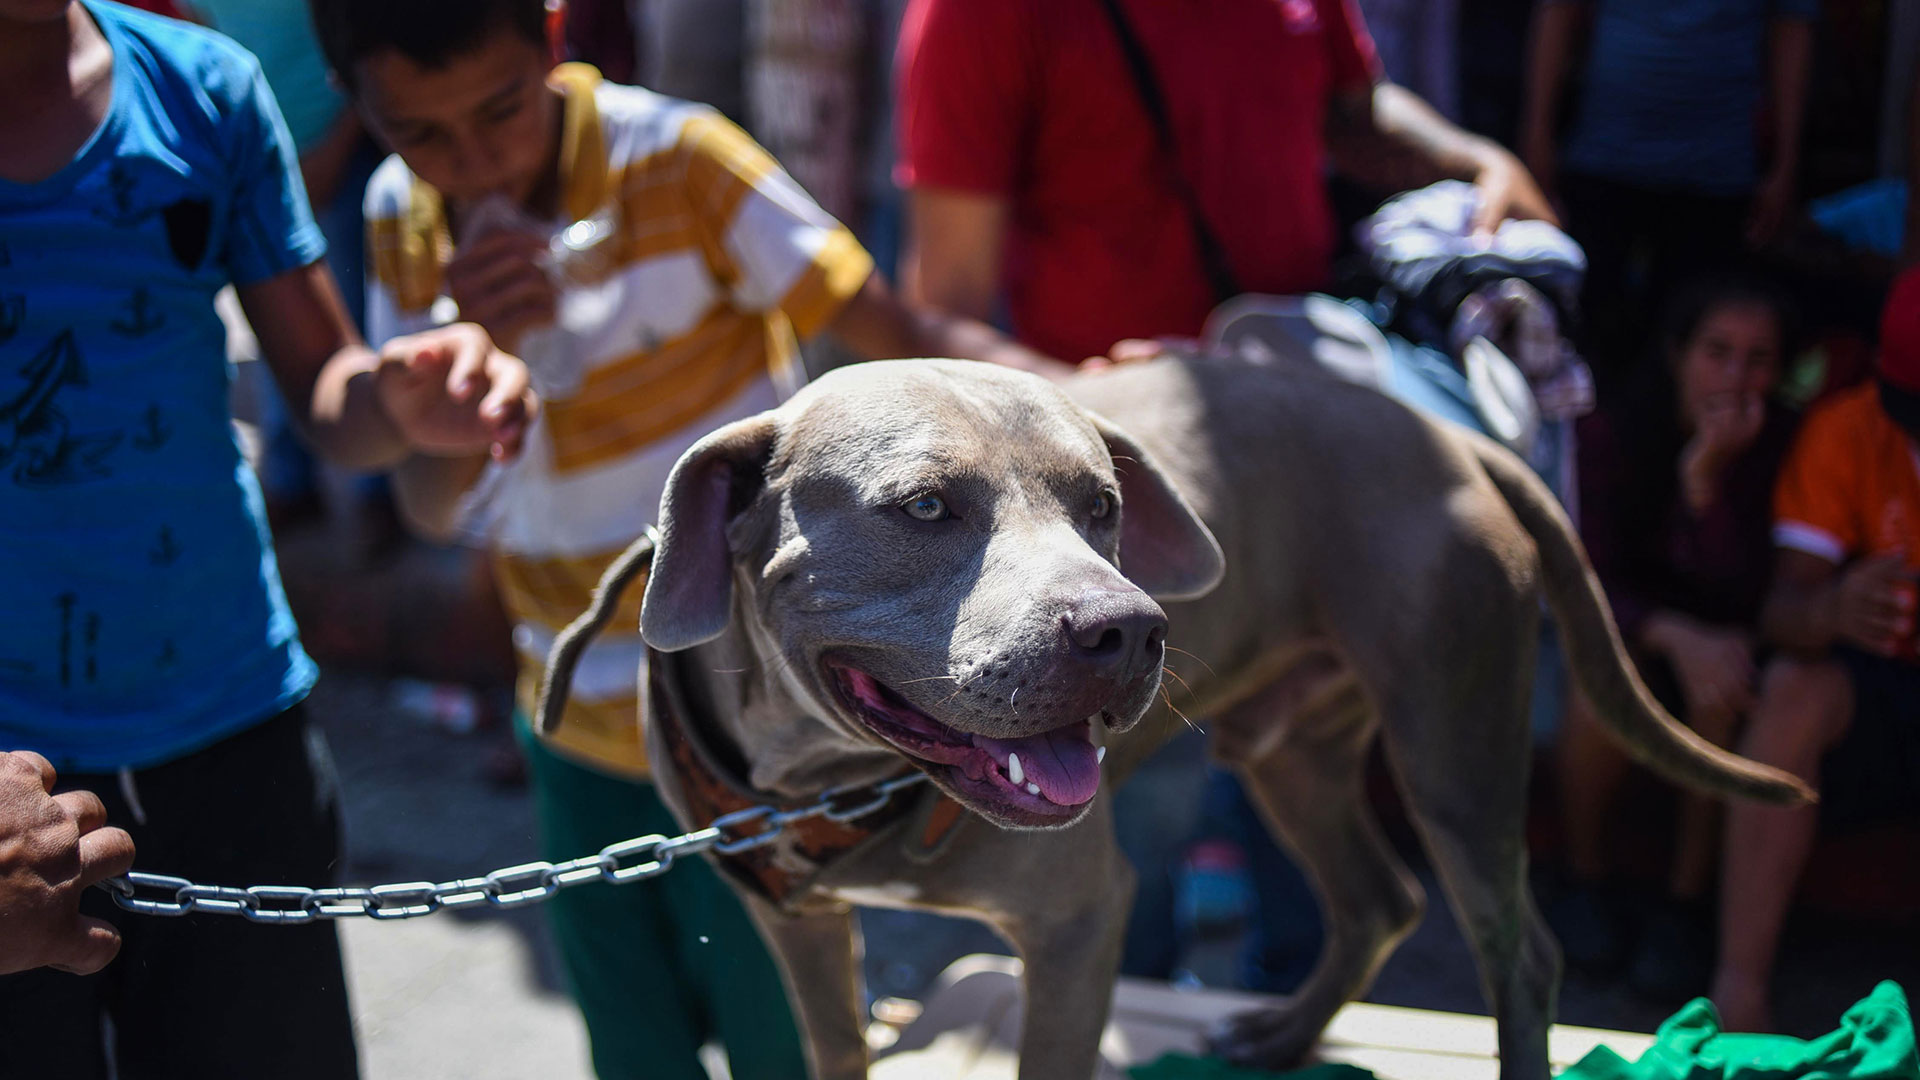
{"x":1276,"y":1039}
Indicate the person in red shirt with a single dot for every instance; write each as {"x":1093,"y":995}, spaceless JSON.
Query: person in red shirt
{"x":1841,"y":704}
{"x":1037,"y":177}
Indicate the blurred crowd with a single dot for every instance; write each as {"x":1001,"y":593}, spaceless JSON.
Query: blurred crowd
{"x":490,"y":266}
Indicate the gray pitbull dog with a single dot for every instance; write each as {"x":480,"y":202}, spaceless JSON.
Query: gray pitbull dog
{"x":962,"y":567}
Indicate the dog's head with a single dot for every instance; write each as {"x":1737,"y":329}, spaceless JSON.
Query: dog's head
{"x":934,"y":550}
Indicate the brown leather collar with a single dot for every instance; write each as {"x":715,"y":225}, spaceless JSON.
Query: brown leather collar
{"x":778,"y":872}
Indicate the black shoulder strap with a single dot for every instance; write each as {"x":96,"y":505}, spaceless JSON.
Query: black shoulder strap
{"x":1213,"y":257}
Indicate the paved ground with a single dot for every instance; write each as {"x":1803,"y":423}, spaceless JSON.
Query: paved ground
{"x":478,"y":996}
{"x":456,"y":995}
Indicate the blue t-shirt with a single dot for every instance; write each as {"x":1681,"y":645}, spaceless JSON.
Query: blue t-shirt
{"x":144,"y":616}
{"x":1673,"y":90}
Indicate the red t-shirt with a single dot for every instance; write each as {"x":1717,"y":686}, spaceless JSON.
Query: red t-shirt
{"x":1032,"y":100}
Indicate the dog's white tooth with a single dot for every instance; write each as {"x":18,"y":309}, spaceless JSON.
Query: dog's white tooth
{"x":1100,"y":755}
{"x":1014,"y":772}
{"x":1033,"y":789}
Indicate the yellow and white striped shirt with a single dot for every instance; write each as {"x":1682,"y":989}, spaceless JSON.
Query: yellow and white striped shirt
{"x":723,"y":264}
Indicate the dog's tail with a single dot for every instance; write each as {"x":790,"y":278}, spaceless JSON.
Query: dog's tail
{"x":565,"y":654}
{"x":1598,"y":660}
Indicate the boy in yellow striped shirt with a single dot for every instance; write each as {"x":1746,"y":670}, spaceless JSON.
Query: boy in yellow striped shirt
{"x":688,"y":267}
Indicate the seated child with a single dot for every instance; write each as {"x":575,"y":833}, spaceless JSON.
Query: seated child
{"x":688,"y":267}
{"x":1841,"y":703}
{"x":1676,"y":487}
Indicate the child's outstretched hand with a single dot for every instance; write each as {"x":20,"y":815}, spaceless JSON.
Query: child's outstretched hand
{"x":452,"y":392}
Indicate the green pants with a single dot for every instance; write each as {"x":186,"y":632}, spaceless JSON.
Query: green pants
{"x":660,"y":966}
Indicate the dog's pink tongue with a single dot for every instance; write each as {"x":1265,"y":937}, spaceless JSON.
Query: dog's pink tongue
{"x":1062,"y":763}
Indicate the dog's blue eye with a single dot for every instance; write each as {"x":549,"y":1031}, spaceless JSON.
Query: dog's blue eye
{"x":927,"y":508}
{"x":1103,"y":504}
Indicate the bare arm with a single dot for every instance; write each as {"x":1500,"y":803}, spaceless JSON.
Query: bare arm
{"x":1387,"y":138}
{"x":1814,"y":604}
{"x":950,"y":273}
{"x":1557,"y":25}
{"x":429,"y":491}
{"x":325,"y":372}
{"x":1789,"y":61}
{"x":955,"y":243}
{"x":446,"y":391}
{"x":877,"y":325}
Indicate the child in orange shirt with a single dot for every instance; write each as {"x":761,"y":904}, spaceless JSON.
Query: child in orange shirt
{"x":1842,"y":700}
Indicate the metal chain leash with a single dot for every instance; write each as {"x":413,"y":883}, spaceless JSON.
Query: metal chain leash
{"x":510,"y":887}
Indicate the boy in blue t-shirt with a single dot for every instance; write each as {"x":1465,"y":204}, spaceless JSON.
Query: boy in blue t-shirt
{"x":147,"y":649}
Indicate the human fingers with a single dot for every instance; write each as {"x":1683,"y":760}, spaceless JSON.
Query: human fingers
{"x":492,"y":259}
{"x":1491,"y":207}
{"x":1879,"y":631}
{"x":104,"y":853}
{"x":29,"y":763}
{"x":1888,"y":567}
{"x":518,"y":306}
{"x":510,"y":404}
{"x":468,"y":355}
{"x":1135,"y":350}
{"x":85,"y":808}
{"x":415,"y":360}
{"x":89,"y":946}
{"x":1507,"y":190}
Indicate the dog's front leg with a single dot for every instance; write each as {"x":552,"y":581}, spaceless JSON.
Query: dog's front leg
{"x":1071,"y":955}
{"x":819,"y":957}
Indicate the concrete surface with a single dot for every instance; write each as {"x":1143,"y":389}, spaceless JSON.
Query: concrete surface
{"x":478,"y":995}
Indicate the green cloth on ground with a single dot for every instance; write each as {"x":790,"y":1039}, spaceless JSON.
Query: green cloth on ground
{"x":1182,"y":1067}
{"x":1874,"y":1042}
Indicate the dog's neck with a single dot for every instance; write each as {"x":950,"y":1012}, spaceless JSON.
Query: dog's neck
{"x":755,"y":703}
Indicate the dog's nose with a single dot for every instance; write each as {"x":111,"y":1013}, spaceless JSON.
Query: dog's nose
{"x":1117,"y":630}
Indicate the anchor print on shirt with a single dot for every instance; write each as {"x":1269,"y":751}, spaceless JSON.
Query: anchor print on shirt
{"x":153,"y":432}
{"x":138,"y":317}
{"x":37,"y":444}
{"x":165,"y":550}
{"x":87,"y":623}
{"x":13,"y":312}
{"x":189,"y":221}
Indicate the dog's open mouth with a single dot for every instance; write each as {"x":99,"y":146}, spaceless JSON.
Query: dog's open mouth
{"x":1044,"y":779}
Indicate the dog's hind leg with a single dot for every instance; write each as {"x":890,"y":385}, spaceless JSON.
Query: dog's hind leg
{"x":1312,"y":789}
{"x":1461,"y":751}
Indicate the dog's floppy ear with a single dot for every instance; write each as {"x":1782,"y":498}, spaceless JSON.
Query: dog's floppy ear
{"x":689,"y":596}
{"x":1164,"y":546}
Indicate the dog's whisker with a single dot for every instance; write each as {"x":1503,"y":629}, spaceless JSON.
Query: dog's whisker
{"x":1176,"y":677}
{"x":1195,"y":659}
{"x":929,"y":678}
{"x":1164,"y":696}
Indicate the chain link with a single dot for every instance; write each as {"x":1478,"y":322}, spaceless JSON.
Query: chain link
{"x":509,"y":887}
